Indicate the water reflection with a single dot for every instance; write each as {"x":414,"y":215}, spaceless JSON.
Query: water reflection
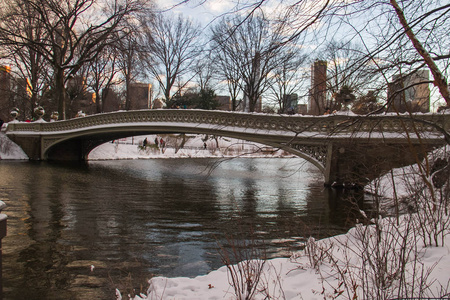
{"x":132,"y":219}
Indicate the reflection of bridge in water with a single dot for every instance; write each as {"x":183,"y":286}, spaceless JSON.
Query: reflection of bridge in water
{"x":344,"y":148}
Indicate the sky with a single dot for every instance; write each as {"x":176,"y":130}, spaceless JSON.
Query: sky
{"x":203,"y":12}
{"x":207,"y":11}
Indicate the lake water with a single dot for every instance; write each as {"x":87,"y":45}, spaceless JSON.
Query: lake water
{"x":80,"y":231}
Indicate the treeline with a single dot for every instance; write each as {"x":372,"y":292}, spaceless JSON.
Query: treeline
{"x":59,"y":50}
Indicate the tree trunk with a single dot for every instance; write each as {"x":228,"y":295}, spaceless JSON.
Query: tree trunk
{"x":127,"y":92}
{"x":60,"y":93}
{"x":98,"y":102}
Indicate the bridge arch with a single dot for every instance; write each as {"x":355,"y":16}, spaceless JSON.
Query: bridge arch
{"x":78,"y":145}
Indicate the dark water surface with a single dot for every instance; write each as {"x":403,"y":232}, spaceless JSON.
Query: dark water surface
{"x":133,"y":219}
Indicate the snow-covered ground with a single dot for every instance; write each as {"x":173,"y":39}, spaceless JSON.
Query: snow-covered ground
{"x":384,"y":260}
{"x":10,"y":150}
{"x":339,"y":272}
{"x":194,"y":146}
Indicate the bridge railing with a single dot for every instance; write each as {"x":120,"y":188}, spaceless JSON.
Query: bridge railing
{"x":326,"y":125}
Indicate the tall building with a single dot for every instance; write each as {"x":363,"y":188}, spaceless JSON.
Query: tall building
{"x":140,"y":95}
{"x":410,"y":93}
{"x":22,"y":97}
{"x":5,"y":92}
{"x":290,"y":103}
{"x":158,"y":104}
{"x":302,"y":109}
{"x":258,"y":106}
{"x":77,"y":83}
{"x":110,"y":100}
{"x":23,"y":87}
{"x":244,"y":105}
{"x":318,"y":92}
{"x":224,"y":103}
{"x":81,"y":99}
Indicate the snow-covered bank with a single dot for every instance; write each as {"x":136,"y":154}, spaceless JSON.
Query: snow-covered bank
{"x":399,"y":184}
{"x":10,"y":150}
{"x":327,"y":269}
{"x":194,"y":146}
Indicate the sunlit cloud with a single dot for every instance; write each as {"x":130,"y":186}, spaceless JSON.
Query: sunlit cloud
{"x":219,"y":6}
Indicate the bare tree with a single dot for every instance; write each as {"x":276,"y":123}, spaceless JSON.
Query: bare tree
{"x":347,"y":68}
{"x":204,"y":70}
{"x":171,"y":45}
{"x":249,"y":48}
{"x":102,"y":72}
{"x":29,"y":65}
{"x":128,"y":53}
{"x":397,"y":36}
{"x":288,"y":77}
{"x":230,"y":73}
{"x":402,"y":38}
{"x":73,"y":33}
{"x":438,"y":14}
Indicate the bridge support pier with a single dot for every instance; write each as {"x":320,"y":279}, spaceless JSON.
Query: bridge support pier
{"x":69,"y":150}
{"x":30,"y":145}
{"x":351,"y":163}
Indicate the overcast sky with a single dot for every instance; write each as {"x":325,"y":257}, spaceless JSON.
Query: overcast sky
{"x":201,"y":11}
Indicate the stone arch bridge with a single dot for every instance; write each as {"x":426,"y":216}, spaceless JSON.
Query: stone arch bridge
{"x":345,"y":148}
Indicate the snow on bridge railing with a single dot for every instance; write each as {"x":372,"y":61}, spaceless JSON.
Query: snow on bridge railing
{"x":330,"y":124}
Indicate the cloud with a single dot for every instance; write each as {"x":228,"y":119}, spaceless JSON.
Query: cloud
{"x":200,"y":11}
{"x":219,"y":6}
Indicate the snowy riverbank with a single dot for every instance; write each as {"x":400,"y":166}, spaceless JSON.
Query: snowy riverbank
{"x":177,"y":146}
{"x":336,"y":263}
{"x":9,"y":150}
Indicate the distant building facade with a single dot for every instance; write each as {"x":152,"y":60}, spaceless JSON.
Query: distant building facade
{"x":80,"y":98}
{"x":290,"y":103}
{"x":302,"y":109}
{"x":410,"y":93}
{"x":5,"y":92}
{"x":158,"y":104}
{"x":244,"y":105}
{"x":318,"y":93}
{"x":251,"y":88}
{"x":140,"y":95}
{"x":110,"y":100}
{"x":14,"y":93}
{"x":224,"y":103}
{"x":22,"y":97}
